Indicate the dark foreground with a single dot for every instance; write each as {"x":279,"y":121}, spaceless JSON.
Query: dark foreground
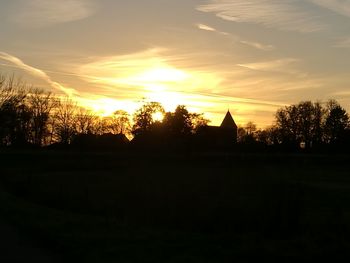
{"x":213,"y":207}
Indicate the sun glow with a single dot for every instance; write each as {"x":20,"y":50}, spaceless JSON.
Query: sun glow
{"x":158,"y":116}
{"x":128,"y":81}
{"x":107,"y":106}
{"x":148,"y":76}
{"x":163,"y":74}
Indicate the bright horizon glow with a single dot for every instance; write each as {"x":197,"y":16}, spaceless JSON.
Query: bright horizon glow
{"x":160,"y":75}
{"x":148,"y":76}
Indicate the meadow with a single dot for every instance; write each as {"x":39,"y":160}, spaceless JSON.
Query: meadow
{"x":179,"y":207}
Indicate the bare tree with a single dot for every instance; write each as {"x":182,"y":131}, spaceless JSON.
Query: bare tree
{"x":101,"y":125}
{"x":248,"y":133}
{"x":85,"y":121}
{"x":14,"y":114}
{"x":120,"y":123}
{"x":41,"y":105}
{"x":250,"y":128}
{"x":241,"y":133}
{"x":65,"y":125}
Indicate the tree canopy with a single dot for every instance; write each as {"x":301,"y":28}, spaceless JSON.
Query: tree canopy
{"x":144,"y":117}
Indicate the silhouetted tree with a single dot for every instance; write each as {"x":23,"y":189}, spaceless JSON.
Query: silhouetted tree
{"x":144,"y":117}
{"x":41,"y":105}
{"x":65,"y":125}
{"x":183,"y":123}
{"x":273,"y":135}
{"x":318,"y":127}
{"x":101,"y":125}
{"x":247,"y":134}
{"x":198,"y":122}
{"x":300,"y":123}
{"x":263,"y":137}
{"x":85,"y":121}
{"x":286,"y":121}
{"x":250,"y":128}
{"x":179,"y":122}
{"x":240,"y":134}
{"x":337,"y":121}
{"x":120,"y":123}
{"x":14,"y":113}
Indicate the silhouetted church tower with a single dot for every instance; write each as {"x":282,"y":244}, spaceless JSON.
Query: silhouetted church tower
{"x":229,"y":128}
{"x":228,"y":121}
{"x":223,"y":136}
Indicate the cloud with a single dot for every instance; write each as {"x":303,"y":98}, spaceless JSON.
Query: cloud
{"x":338,"y":6}
{"x":279,"y":65}
{"x":257,"y":45}
{"x":343,"y":43}
{"x":212,"y":29}
{"x":45,"y":13}
{"x":205,"y":27}
{"x":37,"y":73}
{"x":157,"y":75}
{"x":236,"y":38}
{"x":283,"y":15}
{"x":145,"y":72}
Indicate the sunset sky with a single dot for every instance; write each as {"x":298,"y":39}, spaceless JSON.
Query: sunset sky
{"x":251,"y":56}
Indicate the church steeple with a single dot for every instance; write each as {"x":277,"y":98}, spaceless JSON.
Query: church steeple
{"x":228,"y":121}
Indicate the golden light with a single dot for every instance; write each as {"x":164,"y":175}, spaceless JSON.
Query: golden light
{"x":104,"y":107}
{"x":158,"y":116}
{"x":162,"y":74}
{"x":107,"y":106}
{"x":147,"y":76}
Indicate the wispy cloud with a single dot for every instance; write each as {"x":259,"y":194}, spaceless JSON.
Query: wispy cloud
{"x":121,"y":81}
{"x":343,"y":43}
{"x":148,"y":71}
{"x":257,"y":45}
{"x":205,"y":27}
{"x":284,"y":15}
{"x":339,"y":6}
{"x":278,"y":65}
{"x":44,"y":13}
{"x":211,"y":29}
{"x":37,"y":73}
{"x":236,"y":38}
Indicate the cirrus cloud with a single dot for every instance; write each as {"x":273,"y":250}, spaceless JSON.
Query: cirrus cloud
{"x":341,"y":7}
{"x":236,"y":38}
{"x":45,"y":13}
{"x":37,"y":73}
{"x":283,"y":15}
{"x":343,"y":43}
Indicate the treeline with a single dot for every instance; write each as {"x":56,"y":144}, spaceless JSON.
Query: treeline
{"x":31,"y":117}
{"x":305,"y":125}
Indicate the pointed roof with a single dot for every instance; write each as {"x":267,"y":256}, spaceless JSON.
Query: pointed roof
{"x":228,"y":121}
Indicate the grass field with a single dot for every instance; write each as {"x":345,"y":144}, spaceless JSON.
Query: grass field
{"x":198,"y":207}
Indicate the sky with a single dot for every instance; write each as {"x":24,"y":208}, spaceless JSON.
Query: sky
{"x":249,"y":56}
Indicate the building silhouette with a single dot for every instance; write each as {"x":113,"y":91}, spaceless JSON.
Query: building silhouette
{"x":221,"y":136}
{"x":228,"y":128}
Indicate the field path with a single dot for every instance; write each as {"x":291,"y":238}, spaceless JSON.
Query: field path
{"x":15,"y":247}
